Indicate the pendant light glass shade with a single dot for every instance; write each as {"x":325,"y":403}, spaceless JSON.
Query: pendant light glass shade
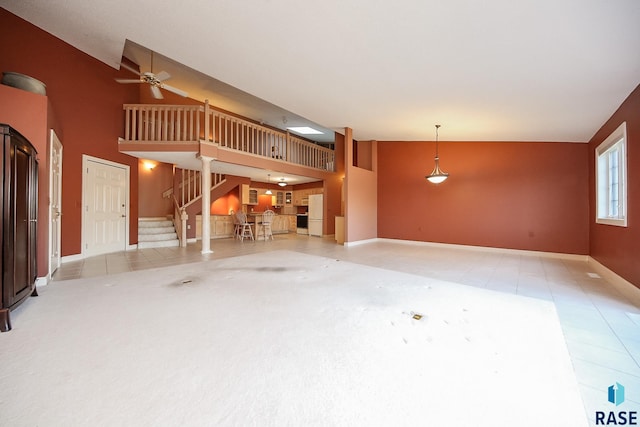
{"x":437,"y":176}
{"x":269,"y":182}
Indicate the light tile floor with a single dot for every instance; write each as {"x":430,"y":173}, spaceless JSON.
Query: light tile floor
{"x":600,"y":324}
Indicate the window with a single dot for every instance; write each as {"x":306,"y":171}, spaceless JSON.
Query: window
{"x":611,"y":179}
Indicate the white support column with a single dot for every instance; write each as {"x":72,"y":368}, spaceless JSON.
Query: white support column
{"x":206,"y":204}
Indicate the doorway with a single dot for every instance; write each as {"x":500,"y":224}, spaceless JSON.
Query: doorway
{"x":55,"y":201}
{"x":105,"y":201}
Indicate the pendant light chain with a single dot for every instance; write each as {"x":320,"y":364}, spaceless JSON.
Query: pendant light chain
{"x":437,"y":127}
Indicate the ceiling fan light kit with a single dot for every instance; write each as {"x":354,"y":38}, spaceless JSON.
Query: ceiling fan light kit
{"x":155,"y":81}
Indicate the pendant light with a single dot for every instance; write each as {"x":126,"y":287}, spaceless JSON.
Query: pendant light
{"x":437,"y":176}
{"x":282,"y":183}
{"x":269,"y":182}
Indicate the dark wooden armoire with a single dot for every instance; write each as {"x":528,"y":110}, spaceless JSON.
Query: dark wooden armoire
{"x":19,"y":196}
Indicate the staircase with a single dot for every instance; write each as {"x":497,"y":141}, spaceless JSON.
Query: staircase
{"x":156,"y":233}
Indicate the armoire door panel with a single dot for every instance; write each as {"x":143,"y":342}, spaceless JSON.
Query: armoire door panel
{"x":19,"y":223}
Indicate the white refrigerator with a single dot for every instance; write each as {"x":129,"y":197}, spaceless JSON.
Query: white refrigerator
{"x":315,"y":215}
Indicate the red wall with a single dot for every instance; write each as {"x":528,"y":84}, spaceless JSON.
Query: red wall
{"x":154,"y":182}
{"x":28,"y":114}
{"x":225,"y":204}
{"x":88,"y":107}
{"x":361,"y":192}
{"x":618,"y":248}
{"x":517,"y":195}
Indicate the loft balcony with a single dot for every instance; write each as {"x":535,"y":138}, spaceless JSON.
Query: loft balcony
{"x":177,"y":133}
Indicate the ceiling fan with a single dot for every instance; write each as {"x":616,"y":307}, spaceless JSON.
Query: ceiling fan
{"x":155,"y":81}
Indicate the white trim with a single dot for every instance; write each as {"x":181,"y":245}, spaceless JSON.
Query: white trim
{"x":618,"y":135}
{"x":42,"y":281}
{"x":132,"y":247}
{"x":53,"y":141}
{"x":559,"y":255}
{"x":626,"y":288}
{"x":85,"y":159}
{"x":361,"y":242}
{"x":192,"y":240}
{"x":72,"y":258}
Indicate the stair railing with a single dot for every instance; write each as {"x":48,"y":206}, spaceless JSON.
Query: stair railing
{"x":180,"y":218}
{"x":190,"y":186}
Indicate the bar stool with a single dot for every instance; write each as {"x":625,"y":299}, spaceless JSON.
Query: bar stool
{"x":236,"y":226}
{"x":245,"y":227}
{"x":267,"y":219}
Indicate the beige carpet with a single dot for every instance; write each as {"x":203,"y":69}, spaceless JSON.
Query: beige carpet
{"x":283,"y":339}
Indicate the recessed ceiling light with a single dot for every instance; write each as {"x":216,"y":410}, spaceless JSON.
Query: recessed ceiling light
{"x":305,"y":130}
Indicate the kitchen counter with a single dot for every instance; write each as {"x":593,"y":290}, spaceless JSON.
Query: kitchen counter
{"x":222,"y":226}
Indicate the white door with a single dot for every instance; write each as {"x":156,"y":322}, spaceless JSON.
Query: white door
{"x":106,"y":206}
{"x":55,"y":201}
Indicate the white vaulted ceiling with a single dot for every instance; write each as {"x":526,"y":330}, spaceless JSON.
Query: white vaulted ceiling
{"x":545,"y":70}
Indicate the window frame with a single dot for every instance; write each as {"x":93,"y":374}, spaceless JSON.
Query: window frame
{"x":617,"y":140}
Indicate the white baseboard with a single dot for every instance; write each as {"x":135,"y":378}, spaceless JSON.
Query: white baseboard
{"x":361,"y":242}
{"x":42,"y":281}
{"x":559,"y":255}
{"x":71,"y":258}
{"x":626,"y":288}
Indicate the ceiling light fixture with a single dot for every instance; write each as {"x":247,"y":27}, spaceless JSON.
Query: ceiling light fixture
{"x":282,"y":183}
{"x":437,"y":176}
{"x":304,"y":130}
{"x":269,"y":182}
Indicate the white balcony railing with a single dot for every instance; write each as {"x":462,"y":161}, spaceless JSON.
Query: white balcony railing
{"x":193,"y":123}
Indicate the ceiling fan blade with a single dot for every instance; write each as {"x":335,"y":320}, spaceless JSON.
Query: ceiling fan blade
{"x":163,"y":75}
{"x":155,"y":91}
{"x":174,"y":90}
{"x":128,"y":67}
{"x":129,"y":80}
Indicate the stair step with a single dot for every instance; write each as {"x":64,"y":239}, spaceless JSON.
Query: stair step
{"x":157,"y":237}
{"x":156,"y":230}
{"x":155,"y":224}
{"x":159,"y":244}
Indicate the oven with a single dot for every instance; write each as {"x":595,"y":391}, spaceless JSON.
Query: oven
{"x":302,"y":224}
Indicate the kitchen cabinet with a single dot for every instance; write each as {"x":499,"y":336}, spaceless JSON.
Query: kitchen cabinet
{"x":339,"y":236}
{"x":278,"y":199}
{"x":221,"y":226}
{"x":279,"y":225}
{"x":301,"y":197}
{"x":288,"y":197}
{"x":249,"y":196}
{"x":293,"y":223}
